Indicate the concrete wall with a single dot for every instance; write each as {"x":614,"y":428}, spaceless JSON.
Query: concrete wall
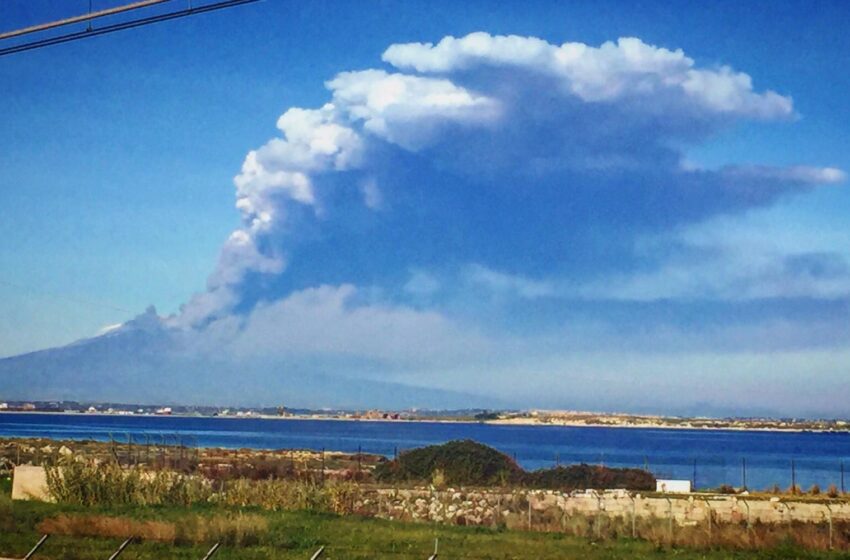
{"x":29,"y":483}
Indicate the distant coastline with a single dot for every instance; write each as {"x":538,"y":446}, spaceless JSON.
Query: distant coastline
{"x":498,"y":418}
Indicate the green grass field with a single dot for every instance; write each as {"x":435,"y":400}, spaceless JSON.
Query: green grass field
{"x":290,"y":535}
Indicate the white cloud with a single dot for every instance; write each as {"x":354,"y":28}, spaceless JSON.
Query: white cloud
{"x":422,"y":284}
{"x":729,"y":277}
{"x":601,"y":118}
{"x":371,"y":193}
{"x":628,"y":68}
{"x":329,"y":320}
{"x":501,"y":282}
{"x":407,"y":110}
{"x":802,"y":174}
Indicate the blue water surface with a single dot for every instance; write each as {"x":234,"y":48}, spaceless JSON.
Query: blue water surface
{"x":711,"y":457}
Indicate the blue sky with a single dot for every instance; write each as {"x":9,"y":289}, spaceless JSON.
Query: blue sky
{"x":558,"y":226}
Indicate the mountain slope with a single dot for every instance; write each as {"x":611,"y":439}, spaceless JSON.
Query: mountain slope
{"x":144,"y":361}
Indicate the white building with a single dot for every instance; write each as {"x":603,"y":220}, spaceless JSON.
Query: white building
{"x":673,"y":486}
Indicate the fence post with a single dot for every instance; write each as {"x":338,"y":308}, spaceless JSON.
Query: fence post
{"x":669,"y":518}
{"x":121,"y":548}
{"x":436,"y":544}
{"x":842,"y":476}
{"x":694,"y":477}
{"x":634,"y":516}
{"x":601,"y":507}
{"x":36,"y":547}
{"x":747,"y":505}
{"x":793,"y":478}
{"x":744,"y":473}
{"x":708,"y":506}
{"x":212,"y":551}
{"x":829,"y":513}
{"x":112,"y":447}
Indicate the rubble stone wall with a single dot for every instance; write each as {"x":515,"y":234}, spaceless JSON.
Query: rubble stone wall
{"x":483,"y":507}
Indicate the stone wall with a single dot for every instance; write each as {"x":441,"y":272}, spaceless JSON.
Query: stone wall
{"x":482,"y":507}
{"x":524,"y":508}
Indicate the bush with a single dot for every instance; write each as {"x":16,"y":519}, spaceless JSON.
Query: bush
{"x":89,"y":483}
{"x":463,"y":462}
{"x":333,"y":496}
{"x":590,"y":476}
{"x":468,"y":463}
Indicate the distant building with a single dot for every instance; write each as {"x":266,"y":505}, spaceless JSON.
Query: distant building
{"x":4,"y":406}
{"x":673,"y":486}
{"x":164,"y":411}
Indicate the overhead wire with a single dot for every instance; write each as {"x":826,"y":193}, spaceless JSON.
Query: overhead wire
{"x":94,"y":32}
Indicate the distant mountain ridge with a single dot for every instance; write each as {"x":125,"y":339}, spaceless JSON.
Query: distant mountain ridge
{"x":144,"y":361}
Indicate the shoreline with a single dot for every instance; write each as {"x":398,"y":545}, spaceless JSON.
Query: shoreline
{"x":502,"y":422}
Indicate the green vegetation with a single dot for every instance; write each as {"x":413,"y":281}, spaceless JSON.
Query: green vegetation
{"x":87,"y":533}
{"x":90,"y":483}
{"x":469,"y":463}
{"x":590,"y":476}
{"x":101,"y":507}
{"x":235,"y":529}
{"x":463,"y":462}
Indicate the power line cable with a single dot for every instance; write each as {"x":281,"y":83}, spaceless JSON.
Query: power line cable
{"x":81,"y":18}
{"x":123,"y":25}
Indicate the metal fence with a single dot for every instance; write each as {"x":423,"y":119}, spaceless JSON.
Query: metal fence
{"x":210,"y":553}
{"x":767,"y":471}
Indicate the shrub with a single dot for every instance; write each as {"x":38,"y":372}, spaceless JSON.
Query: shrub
{"x":473,"y":464}
{"x":585,"y":476}
{"x":334,"y":496}
{"x":463,"y":462}
{"x":90,"y":483}
{"x":814,"y":490}
{"x":832,"y":491}
{"x":438,"y":478}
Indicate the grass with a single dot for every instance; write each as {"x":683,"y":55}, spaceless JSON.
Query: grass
{"x":296,"y":535}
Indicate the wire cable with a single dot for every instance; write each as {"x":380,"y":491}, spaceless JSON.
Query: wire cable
{"x":123,"y":25}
